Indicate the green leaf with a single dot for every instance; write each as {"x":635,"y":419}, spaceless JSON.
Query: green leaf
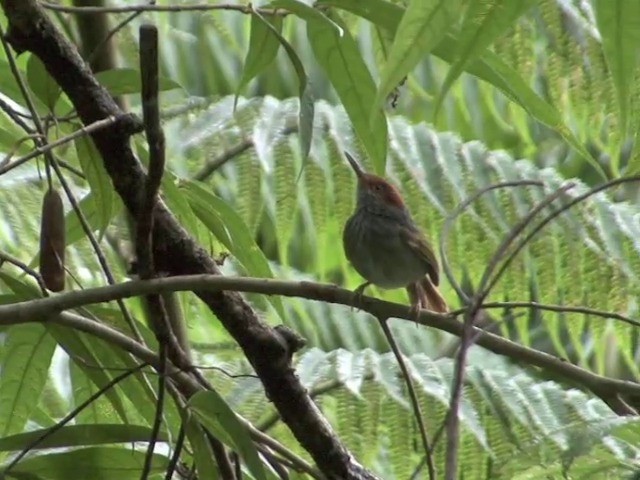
{"x":22,"y":289}
{"x":488,"y":66}
{"x":484,"y":22}
{"x":98,"y":179}
{"x":96,"y":463}
{"x":306,"y":107}
{"x":340,"y":57}
{"x":96,"y":354}
{"x":305,"y":121}
{"x":379,"y":12}
{"x":123,"y":81}
{"x":79,"y":435}
{"x":230,"y":229}
{"x":202,"y":454}
{"x":423,"y":25}
{"x":524,"y":96}
{"x":41,"y":83}
{"x":263,"y":49}
{"x":28,"y":350}
{"x":221,"y":421}
{"x":619,"y":25}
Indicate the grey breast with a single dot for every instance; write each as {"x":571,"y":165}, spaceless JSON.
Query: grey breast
{"x":376,"y":251}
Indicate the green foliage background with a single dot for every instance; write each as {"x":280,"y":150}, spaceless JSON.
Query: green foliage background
{"x":537,"y":90}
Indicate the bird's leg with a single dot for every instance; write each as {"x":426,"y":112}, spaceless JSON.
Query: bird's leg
{"x":418,"y":300}
{"x":359,"y":292}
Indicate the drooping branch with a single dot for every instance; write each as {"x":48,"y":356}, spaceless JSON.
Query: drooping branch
{"x":174,"y":251}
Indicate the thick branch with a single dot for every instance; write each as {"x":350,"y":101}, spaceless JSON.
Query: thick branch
{"x":175,"y":252}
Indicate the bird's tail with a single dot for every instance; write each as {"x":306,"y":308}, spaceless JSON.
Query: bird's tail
{"x":428,"y":296}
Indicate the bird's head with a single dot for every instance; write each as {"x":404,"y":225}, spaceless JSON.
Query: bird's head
{"x":373,"y":190}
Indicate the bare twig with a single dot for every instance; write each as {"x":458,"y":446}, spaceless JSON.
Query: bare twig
{"x":216,"y":163}
{"x":554,"y":308}
{"x":428,"y":451}
{"x":70,"y":416}
{"x":175,"y":458}
{"x":487,"y":283}
{"x":452,"y":420}
{"x":44,"y":148}
{"x":5,"y":257}
{"x":196,"y":7}
{"x":536,"y":229}
{"x":453,"y":216}
{"x":15,"y":116}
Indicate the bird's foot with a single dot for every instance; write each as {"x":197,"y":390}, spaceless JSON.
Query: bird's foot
{"x":358,"y":293}
{"x":414,"y":312}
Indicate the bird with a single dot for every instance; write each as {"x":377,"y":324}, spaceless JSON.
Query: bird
{"x":385,"y":246}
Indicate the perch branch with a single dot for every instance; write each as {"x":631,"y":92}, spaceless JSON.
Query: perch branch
{"x":39,"y":310}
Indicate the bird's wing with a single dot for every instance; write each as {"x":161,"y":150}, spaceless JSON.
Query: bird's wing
{"x":417,"y":241}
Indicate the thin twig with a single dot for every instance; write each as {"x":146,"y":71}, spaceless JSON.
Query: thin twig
{"x":16,"y":146}
{"x":554,"y":308}
{"x":157,"y":419}
{"x":453,"y":216}
{"x":42,"y":149}
{"x":15,"y":116}
{"x":177,"y":450}
{"x":487,"y":283}
{"x":452,"y":420}
{"x":216,"y":163}
{"x":98,"y":48}
{"x":70,"y":416}
{"x":320,"y":389}
{"x":428,"y":451}
{"x":5,"y":257}
{"x":536,"y":229}
{"x":200,"y":7}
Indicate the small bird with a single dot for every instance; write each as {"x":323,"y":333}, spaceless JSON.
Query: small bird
{"x":385,"y":246}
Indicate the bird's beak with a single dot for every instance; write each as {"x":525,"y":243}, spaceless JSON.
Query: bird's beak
{"x":355,"y":165}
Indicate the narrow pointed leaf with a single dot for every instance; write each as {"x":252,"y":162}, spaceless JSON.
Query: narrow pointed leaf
{"x":202,"y":454}
{"x":230,"y":229}
{"x":306,"y":108}
{"x":424,"y":24}
{"x":98,"y":463}
{"x":263,"y":49}
{"x":339,"y":55}
{"x":384,"y":14}
{"x":27,"y":353}
{"x":41,"y":83}
{"x":221,"y":421}
{"x":98,"y":179}
{"x":619,"y":25}
{"x":79,"y":435}
{"x":484,"y":22}
{"x":124,"y":81}
{"x":487,"y":66}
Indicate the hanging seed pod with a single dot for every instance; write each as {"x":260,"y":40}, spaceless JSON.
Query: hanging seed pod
{"x":52,"y":241}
